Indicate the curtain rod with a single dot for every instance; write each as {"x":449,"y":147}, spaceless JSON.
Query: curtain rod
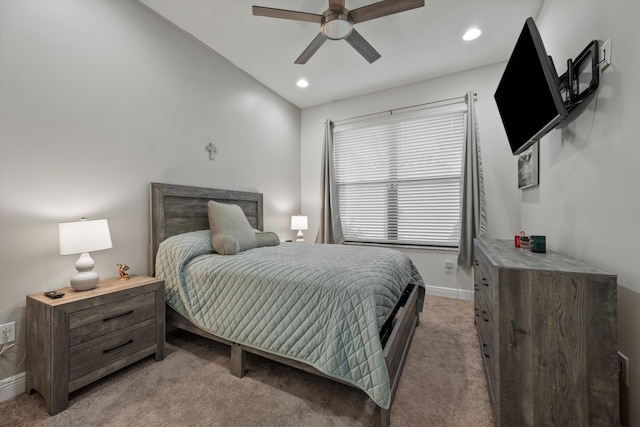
{"x":475,"y":96}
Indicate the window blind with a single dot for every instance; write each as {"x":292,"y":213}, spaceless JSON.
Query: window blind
{"x":398,"y":177}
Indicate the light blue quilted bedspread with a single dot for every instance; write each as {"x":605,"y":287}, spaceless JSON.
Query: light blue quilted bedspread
{"x":322,"y":305}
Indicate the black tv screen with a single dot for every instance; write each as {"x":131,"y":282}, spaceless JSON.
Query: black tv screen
{"x":528,"y":95}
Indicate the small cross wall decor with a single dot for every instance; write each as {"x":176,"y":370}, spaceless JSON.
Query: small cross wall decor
{"x":212,"y":151}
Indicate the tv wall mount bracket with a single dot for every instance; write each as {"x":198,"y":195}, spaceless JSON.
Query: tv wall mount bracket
{"x":574,"y":98}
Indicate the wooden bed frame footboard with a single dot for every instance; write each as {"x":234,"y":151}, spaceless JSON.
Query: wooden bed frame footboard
{"x":179,"y":209}
{"x":395,"y":350}
{"x":397,"y":346}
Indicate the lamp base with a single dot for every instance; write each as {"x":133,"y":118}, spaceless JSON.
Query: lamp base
{"x":84,"y":281}
{"x":85,"y":278}
{"x":300,"y":237}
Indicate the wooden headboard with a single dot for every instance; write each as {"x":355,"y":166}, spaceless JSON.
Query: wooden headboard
{"x":177,"y":209}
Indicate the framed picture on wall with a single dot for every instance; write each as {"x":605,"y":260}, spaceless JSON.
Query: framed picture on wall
{"x":528,"y":167}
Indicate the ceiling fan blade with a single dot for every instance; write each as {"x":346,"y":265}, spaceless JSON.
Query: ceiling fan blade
{"x":311,"y":49}
{"x":383,"y":8}
{"x":336,"y":5}
{"x":362,"y":46}
{"x":286,"y":14}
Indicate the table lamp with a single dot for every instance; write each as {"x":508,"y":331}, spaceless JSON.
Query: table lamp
{"x":299,"y":222}
{"x":82,"y":237}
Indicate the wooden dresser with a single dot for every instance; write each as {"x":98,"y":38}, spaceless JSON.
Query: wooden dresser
{"x":83,"y":336}
{"x":547,"y":330}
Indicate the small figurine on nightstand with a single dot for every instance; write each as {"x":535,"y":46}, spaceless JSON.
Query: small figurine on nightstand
{"x":122,"y":270}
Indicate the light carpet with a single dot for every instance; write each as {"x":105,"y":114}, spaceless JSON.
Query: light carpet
{"x":442,"y":384}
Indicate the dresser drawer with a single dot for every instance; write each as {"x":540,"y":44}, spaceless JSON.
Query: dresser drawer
{"x":93,"y":355}
{"x":485,"y":325}
{"x":484,"y":278}
{"x":485,"y":294}
{"x":86,"y":325}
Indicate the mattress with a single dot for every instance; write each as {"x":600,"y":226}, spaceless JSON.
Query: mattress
{"x":322,"y":305}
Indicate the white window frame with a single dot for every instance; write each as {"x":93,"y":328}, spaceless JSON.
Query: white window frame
{"x":399,"y":174}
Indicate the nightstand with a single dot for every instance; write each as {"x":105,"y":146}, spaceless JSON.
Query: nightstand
{"x":83,"y":336}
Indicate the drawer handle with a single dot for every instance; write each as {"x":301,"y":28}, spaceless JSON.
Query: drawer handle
{"x":477,"y":312}
{"x":476,"y":262}
{"x":485,"y":316}
{"x":117,"y":347}
{"x":484,"y":282}
{"x":106,"y":319}
{"x":476,"y":288}
{"x":484,"y":350}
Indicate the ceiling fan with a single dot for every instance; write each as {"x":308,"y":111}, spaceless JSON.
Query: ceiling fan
{"x":336,"y":23}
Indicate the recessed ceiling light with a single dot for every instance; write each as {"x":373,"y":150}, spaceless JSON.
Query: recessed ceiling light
{"x":471,"y":34}
{"x":302,"y":83}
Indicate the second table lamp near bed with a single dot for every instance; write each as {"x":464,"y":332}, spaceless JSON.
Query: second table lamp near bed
{"x":299,"y":222}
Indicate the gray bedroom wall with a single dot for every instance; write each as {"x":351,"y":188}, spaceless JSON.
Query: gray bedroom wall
{"x":100,"y":98}
{"x":500,"y":166}
{"x":588,"y":200}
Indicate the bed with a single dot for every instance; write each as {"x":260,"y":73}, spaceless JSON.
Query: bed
{"x":279,"y":302}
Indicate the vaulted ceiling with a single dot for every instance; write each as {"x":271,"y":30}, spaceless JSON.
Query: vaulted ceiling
{"x":415,"y":45}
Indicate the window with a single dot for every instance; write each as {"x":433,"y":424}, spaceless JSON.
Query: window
{"x":398,"y":177}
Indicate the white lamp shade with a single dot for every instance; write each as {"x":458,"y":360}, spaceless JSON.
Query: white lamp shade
{"x":299,"y":222}
{"x":84,"y":236}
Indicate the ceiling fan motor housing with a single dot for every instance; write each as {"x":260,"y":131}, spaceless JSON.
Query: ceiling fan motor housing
{"x":336,"y":25}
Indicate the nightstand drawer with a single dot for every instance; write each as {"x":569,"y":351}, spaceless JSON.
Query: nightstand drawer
{"x":93,"y":355}
{"x":86,"y":325}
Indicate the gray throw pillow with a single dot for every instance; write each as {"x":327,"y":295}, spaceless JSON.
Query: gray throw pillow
{"x":266,"y":238}
{"x":230,"y":230}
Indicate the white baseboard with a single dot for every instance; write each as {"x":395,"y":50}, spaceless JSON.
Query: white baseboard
{"x":441,"y":291}
{"x":13,"y":386}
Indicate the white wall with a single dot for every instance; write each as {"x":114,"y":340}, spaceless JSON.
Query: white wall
{"x":499,"y":165}
{"x":98,"y":99}
{"x":588,"y":200}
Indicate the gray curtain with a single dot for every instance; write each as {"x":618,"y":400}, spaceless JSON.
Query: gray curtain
{"x":330,"y":227}
{"x":472,"y":213}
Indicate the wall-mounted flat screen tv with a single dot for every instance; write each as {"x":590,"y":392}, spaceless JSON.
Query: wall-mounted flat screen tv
{"x":528,"y":95}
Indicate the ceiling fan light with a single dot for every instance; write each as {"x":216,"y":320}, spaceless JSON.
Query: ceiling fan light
{"x":336,"y":26}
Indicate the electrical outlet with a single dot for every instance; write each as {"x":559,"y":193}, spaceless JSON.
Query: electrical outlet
{"x":623,"y":367}
{"x":448,"y":265}
{"x":605,"y":54}
{"x":8,"y":329}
